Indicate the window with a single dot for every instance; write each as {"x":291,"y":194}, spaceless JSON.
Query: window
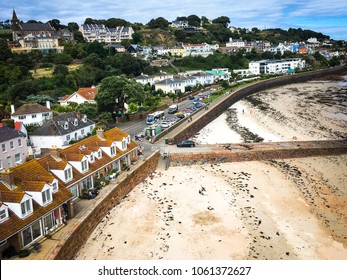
{"x":11,"y":145}
{"x":124,"y":145}
{"x":22,"y":117}
{"x":46,"y":196}
{"x":82,"y":131}
{"x":3,"y":215}
{"x":3,"y":147}
{"x":67,"y":137}
{"x":19,"y":142}
{"x":68,"y":174}
{"x":112,"y":151}
{"x":17,"y":158}
{"x":31,"y":233}
{"x":49,"y":222}
{"x":91,"y":157}
{"x":74,"y":191}
{"x":84,"y":166}
{"x":45,"y":114}
{"x":26,"y":207}
{"x":9,"y":161}
{"x":55,"y":186}
{"x":33,"y":116}
{"x":99,"y":154}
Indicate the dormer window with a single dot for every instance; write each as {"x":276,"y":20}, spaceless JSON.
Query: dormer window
{"x":91,"y":157}
{"x":124,"y":145}
{"x":46,"y":196}
{"x":99,"y":154}
{"x":55,"y":186}
{"x":66,"y":125}
{"x":84,"y":165}
{"x":68,"y":174}
{"x":3,"y":214}
{"x":75,"y":123}
{"x":84,"y":119}
{"x":113,"y":151}
{"x":26,"y":208}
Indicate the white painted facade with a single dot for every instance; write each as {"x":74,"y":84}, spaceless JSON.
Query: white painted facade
{"x":275,"y":66}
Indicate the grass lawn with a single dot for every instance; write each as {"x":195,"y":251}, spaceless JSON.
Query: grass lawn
{"x":48,"y":72}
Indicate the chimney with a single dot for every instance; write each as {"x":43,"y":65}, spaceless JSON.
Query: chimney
{"x":48,"y":104}
{"x":52,"y":128}
{"x":7,"y":177}
{"x":55,"y":152}
{"x":93,"y":86}
{"x":100,"y":133}
{"x":12,"y":109}
{"x":78,"y":115}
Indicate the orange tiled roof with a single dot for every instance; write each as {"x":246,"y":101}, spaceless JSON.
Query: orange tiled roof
{"x":88,"y":93}
{"x":56,"y":165}
{"x":12,"y":196}
{"x":73,"y":157}
{"x":34,"y":186}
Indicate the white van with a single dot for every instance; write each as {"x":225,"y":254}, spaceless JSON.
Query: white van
{"x":173,"y":109}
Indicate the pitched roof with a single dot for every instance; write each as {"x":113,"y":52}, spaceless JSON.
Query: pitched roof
{"x":7,"y":133}
{"x":88,"y":93}
{"x":31,"y":109}
{"x":56,"y":125}
{"x":36,"y":26}
{"x":33,"y":186}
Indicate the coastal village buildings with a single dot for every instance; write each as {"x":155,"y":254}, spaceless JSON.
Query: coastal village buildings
{"x":29,"y":37}
{"x":32,"y":114}
{"x":101,"y":33}
{"x":13,"y":145}
{"x":38,"y":197}
{"x":82,"y":95}
{"x":276,"y":66}
{"x":62,"y":129}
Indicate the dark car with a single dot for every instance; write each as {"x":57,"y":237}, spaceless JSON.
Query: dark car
{"x":186,"y":143}
{"x":191,"y":97}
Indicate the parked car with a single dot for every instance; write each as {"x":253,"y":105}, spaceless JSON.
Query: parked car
{"x":165,"y":124}
{"x":180,"y":115}
{"x":173,"y":109}
{"x":200,"y":105}
{"x":191,"y":97}
{"x":186,"y":143}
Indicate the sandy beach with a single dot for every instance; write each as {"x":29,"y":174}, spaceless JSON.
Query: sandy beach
{"x":283,"y":209}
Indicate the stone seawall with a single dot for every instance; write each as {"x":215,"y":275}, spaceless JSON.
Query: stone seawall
{"x":85,"y":226}
{"x":215,"y":111}
{"x":315,"y":148}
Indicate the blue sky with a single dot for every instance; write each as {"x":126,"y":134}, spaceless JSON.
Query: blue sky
{"x":328,"y":17}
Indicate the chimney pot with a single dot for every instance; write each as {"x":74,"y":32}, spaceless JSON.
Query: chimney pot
{"x":100,"y":133}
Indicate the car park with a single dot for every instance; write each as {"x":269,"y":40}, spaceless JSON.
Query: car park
{"x":186,"y":143}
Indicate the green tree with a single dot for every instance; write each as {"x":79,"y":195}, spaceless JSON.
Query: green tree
{"x":159,"y":22}
{"x":115,"y":91}
{"x":194,"y":20}
{"x":5,"y":52}
{"x":89,"y":109}
{"x":72,"y":26}
{"x":61,"y":69}
{"x":223,"y":20}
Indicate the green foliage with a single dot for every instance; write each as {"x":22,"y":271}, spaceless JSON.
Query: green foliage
{"x":106,"y":116}
{"x":133,"y":108}
{"x":89,"y":109}
{"x":5,"y":52}
{"x":41,"y":99}
{"x":159,"y":22}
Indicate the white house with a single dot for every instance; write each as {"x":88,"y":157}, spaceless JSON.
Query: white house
{"x":239,"y":43}
{"x":32,"y":114}
{"x":170,"y":85}
{"x":199,"y":49}
{"x":82,"y":95}
{"x":61,"y":130}
{"x":144,"y":79}
{"x":275,"y":66}
{"x":101,"y":33}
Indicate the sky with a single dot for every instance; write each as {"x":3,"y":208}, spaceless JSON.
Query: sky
{"x":327,"y":17}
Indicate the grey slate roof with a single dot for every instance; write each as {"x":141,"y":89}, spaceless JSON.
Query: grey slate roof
{"x":7,"y":133}
{"x":55,"y":126}
{"x":36,"y":27}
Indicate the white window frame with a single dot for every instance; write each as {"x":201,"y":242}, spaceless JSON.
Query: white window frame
{"x":3,"y":215}
{"x":84,"y":165}
{"x":15,"y":158}
{"x":68,"y":174}
{"x":46,"y":196}
{"x":55,"y":186}
{"x":27,"y":207}
{"x":3,"y":147}
{"x":11,"y":145}
{"x":19,"y":142}
{"x":113,"y":151}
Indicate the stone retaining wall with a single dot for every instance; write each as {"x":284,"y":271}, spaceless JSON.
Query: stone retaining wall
{"x":232,"y":156}
{"x":68,"y":249}
{"x":217,"y":110}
